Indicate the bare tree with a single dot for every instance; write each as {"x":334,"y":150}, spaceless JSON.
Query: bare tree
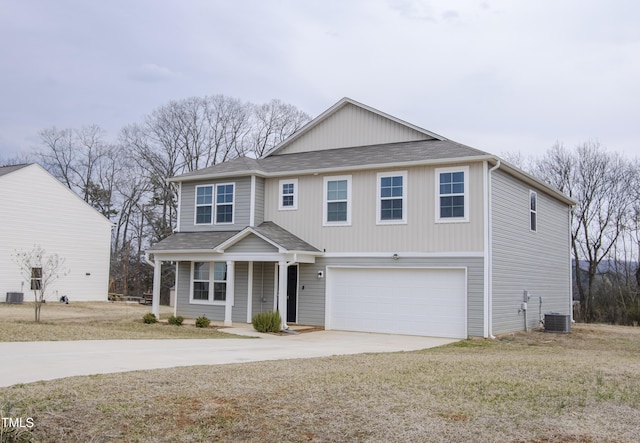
{"x":601,"y":183}
{"x":272,"y":123}
{"x":40,"y":269}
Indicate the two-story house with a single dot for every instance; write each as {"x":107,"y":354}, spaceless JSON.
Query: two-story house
{"x":363,"y":222}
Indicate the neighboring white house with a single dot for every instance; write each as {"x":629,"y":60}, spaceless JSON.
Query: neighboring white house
{"x":36,"y":209}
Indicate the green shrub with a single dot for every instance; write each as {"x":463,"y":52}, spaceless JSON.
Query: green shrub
{"x":202,"y":322}
{"x":267,"y":322}
{"x":149,"y":318}
{"x":173,"y":320}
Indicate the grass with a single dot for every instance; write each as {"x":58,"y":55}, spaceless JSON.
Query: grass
{"x":527,"y":387}
{"x":92,"y":321}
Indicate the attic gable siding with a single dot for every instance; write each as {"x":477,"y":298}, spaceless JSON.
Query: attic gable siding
{"x":352,"y":126}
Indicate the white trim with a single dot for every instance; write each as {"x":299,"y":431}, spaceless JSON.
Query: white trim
{"x":252,"y":202}
{"x":176,"y":282}
{"x":233,"y":204}
{"x":179,"y":207}
{"x":275,"y":286}
{"x":489,"y":265}
{"x":196,"y":206}
{"x":401,"y":254}
{"x":453,"y":169}
{"x":210,"y":301}
{"x":485,"y":210}
{"x":379,"y":177}
{"x":294,"y":182}
{"x":229,"y":298}
{"x":250,"y":292}
{"x":325,"y":200}
{"x":533,"y":211}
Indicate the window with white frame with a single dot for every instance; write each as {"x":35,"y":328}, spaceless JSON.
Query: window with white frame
{"x":224,"y":203}
{"x":209,"y":282}
{"x":452,"y":202}
{"x":204,"y":205}
{"x":392,"y":197}
{"x":337,"y":200}
{"x":288,"y":199}
{"x":533,"y":211}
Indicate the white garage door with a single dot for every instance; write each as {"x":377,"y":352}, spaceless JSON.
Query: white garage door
{"x":430,"y":302}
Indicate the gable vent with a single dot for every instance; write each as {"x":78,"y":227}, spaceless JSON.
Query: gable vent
{"x":554,"y":322}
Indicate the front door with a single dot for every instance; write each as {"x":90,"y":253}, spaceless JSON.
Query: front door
{"x":292,"y":293}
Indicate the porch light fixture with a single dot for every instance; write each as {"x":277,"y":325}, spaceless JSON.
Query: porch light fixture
{"x":395,"y":256}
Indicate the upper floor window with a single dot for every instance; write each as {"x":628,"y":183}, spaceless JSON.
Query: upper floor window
{"x":224,"y":203}
{"x":204,"y":205}
{"x":209,"y":282}
{"x":337,"y":200}
{"x":452,"y":202}
{"x":288,"y":194}
{"x":392,"y":197}
{"x":220,"y":210}
{"x":533,"y":211}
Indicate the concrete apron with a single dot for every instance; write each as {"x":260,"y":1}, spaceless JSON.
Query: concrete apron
{"x":26,"y":362}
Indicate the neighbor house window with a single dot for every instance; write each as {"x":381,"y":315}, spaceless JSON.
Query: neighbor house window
{"x":288,"y":195}
{"x":209,"y":282}
{"x":337,"y":200}
{"x":452,"y":202}
{"x":533,"y":211}
{"x":224,"y":203}
{"x":36,"y":279}
{"x":204,"y":205}
{"x":392,"y":197}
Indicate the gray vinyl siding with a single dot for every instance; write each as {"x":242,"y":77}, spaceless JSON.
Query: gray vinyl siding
{"x":421,"y":233}
{"x":524,"y":260}
{"x":311,"y":299}
{"x":263,"y":287}
{"x":241,"y":205}
{"x":259,"y":201}
{"x":186,"y":309}
{"x":250,"y":245}
{"x":239,"y":310}
{"x":353,"y":126}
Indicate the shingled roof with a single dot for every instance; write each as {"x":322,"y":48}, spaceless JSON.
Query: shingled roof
{"x":383,"y":154}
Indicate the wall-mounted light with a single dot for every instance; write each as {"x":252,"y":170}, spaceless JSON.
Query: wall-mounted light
{"x":320,"y":274}
{"x":87,"y":273}
{"x":395,"y":256}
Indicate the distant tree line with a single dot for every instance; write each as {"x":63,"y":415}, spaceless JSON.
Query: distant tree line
{"x":125,"y":179}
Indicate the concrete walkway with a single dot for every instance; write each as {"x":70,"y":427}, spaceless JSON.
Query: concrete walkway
{"x":26,"y":362}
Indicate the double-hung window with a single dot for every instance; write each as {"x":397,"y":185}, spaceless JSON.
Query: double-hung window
{"x":452,"y":199}
{"x":337,"y":201}
{"x":288,"y":199}
{"x":533,"y":211}
{"x":392,"y":197}
{"x":224,"y":203}
{"x":204,"y":205}
{"x":209,"y":282}
{"x":214,"y":203}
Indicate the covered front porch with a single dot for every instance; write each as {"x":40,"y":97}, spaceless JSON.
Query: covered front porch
{"x":231,"y":276}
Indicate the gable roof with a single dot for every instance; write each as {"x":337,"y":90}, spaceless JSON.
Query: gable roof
{"x":334,"y":110}
{"x":217,"y":241}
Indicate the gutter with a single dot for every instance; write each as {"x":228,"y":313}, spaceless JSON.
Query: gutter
{"x":489,"y":257}
{"x":147,"y":260}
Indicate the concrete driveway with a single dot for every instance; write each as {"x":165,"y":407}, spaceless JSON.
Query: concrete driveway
{"x":26,"y":362}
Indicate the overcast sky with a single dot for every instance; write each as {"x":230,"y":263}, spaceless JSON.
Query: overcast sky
{"x":499,"y":75}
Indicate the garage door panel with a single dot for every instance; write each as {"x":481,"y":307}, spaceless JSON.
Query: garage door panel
{"x":392,"y":300}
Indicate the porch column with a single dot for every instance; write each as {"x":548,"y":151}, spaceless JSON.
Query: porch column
{"x":282,"y":293}
{"x":229,"y":300}
{"x":250,"y":292}
{"x":155,"y":300}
